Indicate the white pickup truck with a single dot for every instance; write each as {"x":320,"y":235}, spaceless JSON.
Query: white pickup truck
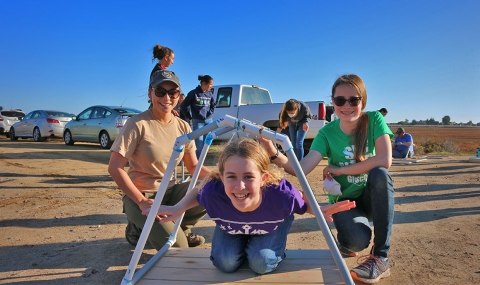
{"x":255,"y":104}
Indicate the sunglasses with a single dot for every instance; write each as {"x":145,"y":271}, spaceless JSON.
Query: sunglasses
{"x":172,"y":93}
{"x":340,"y":101}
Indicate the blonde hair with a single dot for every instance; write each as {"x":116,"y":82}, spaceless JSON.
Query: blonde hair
{"x":249,"y":149}
{"x":290,"y":105}
{"x":361,"y":129}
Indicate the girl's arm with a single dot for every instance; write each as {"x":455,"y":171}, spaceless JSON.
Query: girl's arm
{"x":329,"y":210}
{"x":191,"y":162}
{"x":172,"y":213}
{"x":383,"y":158}
{"x":116,"y":169}
{"x":308,"y":163}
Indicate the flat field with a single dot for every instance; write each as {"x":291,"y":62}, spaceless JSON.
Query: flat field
{"x":462,"y":140}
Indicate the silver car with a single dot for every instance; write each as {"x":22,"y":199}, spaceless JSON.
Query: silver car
{"x":98,"y":124}
{"x":8,"y":118}
{"x":40,"y":124}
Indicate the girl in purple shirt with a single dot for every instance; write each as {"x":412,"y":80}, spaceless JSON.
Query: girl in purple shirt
{"x":252,"y":205}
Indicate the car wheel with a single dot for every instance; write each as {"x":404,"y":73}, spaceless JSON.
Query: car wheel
{"x":12,"y":134}
{"x":67,"y":138}
{"x":105,"y":141}
{"x":37,"y":136}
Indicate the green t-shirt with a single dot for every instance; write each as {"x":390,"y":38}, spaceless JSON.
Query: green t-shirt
{"x":339,"y":148}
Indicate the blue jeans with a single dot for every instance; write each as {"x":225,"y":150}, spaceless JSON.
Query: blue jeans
{"x":401,"y":154}
{"x":376,"y":204}
{"x":263,"y":252}
{"x":297,"y":136}
{"x":197,"y":124}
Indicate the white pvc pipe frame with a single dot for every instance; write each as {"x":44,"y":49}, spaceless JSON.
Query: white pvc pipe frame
{"x":224,"y":125}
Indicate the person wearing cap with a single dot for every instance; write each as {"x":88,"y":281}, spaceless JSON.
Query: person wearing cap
{"x":198,"y":107}
{"x":402,"y":143}
{"x":383,"y":111}
{"x":146,"y":143}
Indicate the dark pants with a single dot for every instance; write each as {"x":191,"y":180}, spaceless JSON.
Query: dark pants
{"x":161,"y":231}
{"x":376,"y":204}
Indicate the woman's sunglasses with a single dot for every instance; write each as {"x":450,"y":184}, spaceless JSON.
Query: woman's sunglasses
{"x":172,"y":93}
{"x":353,"y":101}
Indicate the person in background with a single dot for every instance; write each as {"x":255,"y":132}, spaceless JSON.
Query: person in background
{"x":252,"y":205}
{"x":202,"y":105}
{"x":146,"y":144}
{"x":359,"y":153}
{"x":176,"y":111}
{"x":383,"y":111}
{"x":402,"y":144}
{"x":164,"y":57}
{"x":295,"y":115}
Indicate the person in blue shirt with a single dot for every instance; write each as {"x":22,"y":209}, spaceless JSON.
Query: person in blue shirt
{"x":201,"y":103}
{"x":401,"y":145}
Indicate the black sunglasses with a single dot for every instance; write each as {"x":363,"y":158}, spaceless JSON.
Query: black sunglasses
{"x":172,"y":93}
{"x":340,"y":101}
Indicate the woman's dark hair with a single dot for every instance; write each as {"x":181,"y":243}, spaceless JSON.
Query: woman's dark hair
{"x":205,"y":78}
{"x":160,"y":52}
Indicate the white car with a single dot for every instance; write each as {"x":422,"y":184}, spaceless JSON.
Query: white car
{"x":40,"y":124}
{"x":8,"y":118}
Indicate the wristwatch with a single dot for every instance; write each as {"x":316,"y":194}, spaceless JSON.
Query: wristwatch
{"x":272,"y":158}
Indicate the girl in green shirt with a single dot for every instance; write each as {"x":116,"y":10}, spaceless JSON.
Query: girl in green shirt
{"x":359,"y":153}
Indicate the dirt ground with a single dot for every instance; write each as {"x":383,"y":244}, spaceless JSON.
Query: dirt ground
{"x":61,"y":218}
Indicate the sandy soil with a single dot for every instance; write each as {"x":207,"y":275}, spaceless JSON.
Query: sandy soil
{"x":61,"y":218}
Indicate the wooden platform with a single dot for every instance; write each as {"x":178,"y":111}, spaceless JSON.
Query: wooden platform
{"x":193,"y":266}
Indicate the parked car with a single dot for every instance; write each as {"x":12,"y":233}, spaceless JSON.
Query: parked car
{"x":8,"y":118}
{"x":40,"y":124}
{"x":98,"y":124}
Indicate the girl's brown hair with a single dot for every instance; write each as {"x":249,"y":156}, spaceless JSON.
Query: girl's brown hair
{"x":290,"y":105}
{"x":159,"y":52}
{"x":361,"y":130}
{"x":249,"y":149}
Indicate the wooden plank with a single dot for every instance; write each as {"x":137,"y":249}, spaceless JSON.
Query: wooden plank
{"x":214,"y":276}
{"x":193,"y":266}
{"x":204,"y":262}
{"x":202,"y":252}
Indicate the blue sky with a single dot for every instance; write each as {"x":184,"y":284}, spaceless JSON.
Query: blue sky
{"x":419,"y":59}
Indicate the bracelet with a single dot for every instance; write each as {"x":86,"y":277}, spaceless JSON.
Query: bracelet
{"x":272,"y":158}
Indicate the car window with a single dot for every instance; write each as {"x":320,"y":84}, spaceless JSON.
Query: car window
{"x":13,"y":114}
{"x":58,"y":114}
{"x":127,"y":110}
{"x":107,"y":113}
{"x":99,"y":113}
{"x":85,"y":115}
{"x":252,"y":95}
{"x":36,"y":114}
{"x":224,"y":97}
{"x":28,"y":116}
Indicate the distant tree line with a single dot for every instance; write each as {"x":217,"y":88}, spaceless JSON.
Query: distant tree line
{"x":445,"y":121}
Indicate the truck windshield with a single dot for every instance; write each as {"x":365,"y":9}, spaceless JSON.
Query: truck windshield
{"x":253,"y":95}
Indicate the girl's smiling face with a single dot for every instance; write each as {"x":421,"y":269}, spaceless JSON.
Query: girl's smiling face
{"x":347,"y":112}
{"x":243,"y":183}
